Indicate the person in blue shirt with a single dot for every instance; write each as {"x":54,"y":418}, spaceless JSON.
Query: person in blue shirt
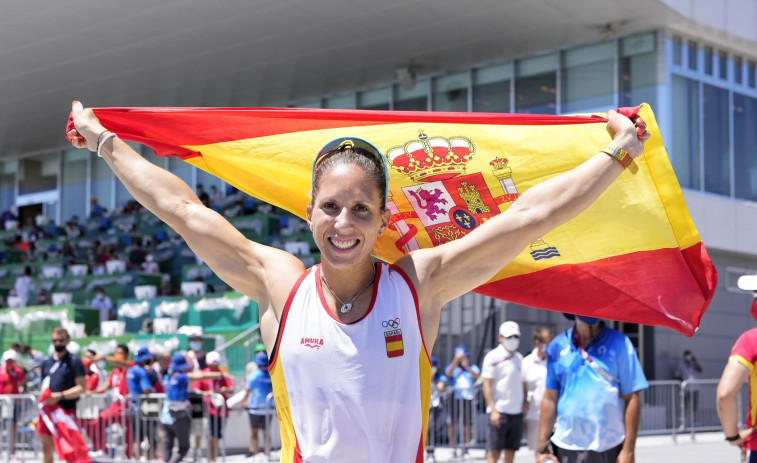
{"x":592,"y":390}
{"x":138,"y":380}
{"x":462,"y":378}
{"x":176,"y":416}
{"x":258,"y":396}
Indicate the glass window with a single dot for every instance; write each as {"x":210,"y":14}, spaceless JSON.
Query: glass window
{"x":316,"y":103}
{"x":536,"y":85}
{"x":451,"y":92}
{"x":73,"y":199}
{"x":745,"y":146}
{"x":340,"y":102}
{"x":685,"y":143}
{"x":588,"y":78}
{"x":737,"y":69}
{"x":677,"y":50}
{"x":414,"y":99}
{"x":723,"y":65}
{"x":7,"y":184}
{"x":38,"y":174}
{"x":102,"y":182}
{"x":692,"y":55}
{"x":752,"y":73}
{"x":708,"y":57}
{"x":491,"y":89}
{"x":715,"y":116}
{"x":378,"y":98}
{"x":122,"y":194}
{"x":638,"y":70}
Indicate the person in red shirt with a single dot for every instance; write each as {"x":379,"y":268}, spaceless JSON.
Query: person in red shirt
{"x":218,"y":412}
{"x":12,"y":381}
{"x":739,"y":369}
{"x":91,"y":377}
{"x":115,"y":414}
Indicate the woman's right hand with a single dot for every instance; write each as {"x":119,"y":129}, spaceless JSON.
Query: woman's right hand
{"x":87,"y":127}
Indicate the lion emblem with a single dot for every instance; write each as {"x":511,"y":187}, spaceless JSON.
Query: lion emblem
{"x":428,"y":200}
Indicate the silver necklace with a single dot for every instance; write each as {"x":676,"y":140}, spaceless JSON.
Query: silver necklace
{"x":347,"y":306}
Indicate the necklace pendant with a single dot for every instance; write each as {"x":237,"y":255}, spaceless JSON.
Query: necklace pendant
{"x":346,"y":307}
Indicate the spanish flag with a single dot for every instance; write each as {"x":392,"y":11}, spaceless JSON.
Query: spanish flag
{"x":634,"y":255}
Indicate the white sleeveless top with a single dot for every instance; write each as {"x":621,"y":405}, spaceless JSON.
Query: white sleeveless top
{"x":352,"y":392}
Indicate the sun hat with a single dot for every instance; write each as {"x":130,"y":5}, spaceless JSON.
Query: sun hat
{"x":143,"y":354}
{"x":261,"y":359}
{"x":179,"y":362}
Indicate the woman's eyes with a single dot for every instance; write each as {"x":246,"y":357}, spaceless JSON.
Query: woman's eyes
{"x":356,"y":208}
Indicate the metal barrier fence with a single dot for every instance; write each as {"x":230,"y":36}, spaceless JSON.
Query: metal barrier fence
{"x":668,"y":407}
{"x":115,"y":427}
{"x":120,"y":428}
{"x":17,"y":415}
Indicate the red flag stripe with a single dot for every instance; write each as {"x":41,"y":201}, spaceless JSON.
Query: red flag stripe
{"x":570,"y":286}
{"x":169,"y":127}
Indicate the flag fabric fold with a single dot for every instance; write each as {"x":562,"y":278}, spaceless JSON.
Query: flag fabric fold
{"x":67,"y":438}
{"x":634,"y":255}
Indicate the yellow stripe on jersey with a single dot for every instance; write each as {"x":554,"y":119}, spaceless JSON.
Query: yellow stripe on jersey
{"x":284,"y":412}
{"x":424,"y":368}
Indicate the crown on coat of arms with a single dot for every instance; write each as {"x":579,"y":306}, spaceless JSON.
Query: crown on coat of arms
{"x":427,"y":159}
{"x":498,"y":163}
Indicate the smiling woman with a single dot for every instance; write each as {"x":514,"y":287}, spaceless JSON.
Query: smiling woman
{"x":359,"y":410}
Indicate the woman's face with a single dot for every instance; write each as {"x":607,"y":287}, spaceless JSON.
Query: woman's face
{"x":346,"y":216}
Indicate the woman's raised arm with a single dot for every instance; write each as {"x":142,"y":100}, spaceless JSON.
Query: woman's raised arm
{"x":450,"y":270}
{"x":245,"y":265}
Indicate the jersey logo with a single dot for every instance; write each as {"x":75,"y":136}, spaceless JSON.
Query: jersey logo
{"x":393,"y":338}
{"x":313,"y":343}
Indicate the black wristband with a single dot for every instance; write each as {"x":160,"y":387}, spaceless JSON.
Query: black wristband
{"x":733,"y":438}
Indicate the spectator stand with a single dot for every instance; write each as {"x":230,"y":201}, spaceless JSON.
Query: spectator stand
{"x":217,"y":314}
{"x":30,"y":323}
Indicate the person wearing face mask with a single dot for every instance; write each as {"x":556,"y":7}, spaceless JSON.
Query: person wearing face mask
{"x":103,"y":303}
{"x":63,"y":374}
{"x":592,"y":392}
{"x":12,"y":381}
{"x":94,"y":367}
{"x":688,"y":370}
{"x":462,"y":376}
{"x":195,"y":354}
{"x":534,"y":379}
{"x":503,"y":392}
{"x":196,"y":357}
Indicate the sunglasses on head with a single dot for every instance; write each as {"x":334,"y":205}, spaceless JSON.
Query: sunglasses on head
{"x":357,"y":145}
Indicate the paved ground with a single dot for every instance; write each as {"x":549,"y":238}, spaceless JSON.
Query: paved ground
{"x":706,"y":448}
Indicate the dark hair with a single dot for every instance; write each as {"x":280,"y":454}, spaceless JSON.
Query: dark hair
{"x":539,"y":334}
{"x":369,"y":164}
{"x":124,"y":348}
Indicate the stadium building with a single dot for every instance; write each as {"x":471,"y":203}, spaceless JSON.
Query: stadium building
{"x":693,"y":61}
